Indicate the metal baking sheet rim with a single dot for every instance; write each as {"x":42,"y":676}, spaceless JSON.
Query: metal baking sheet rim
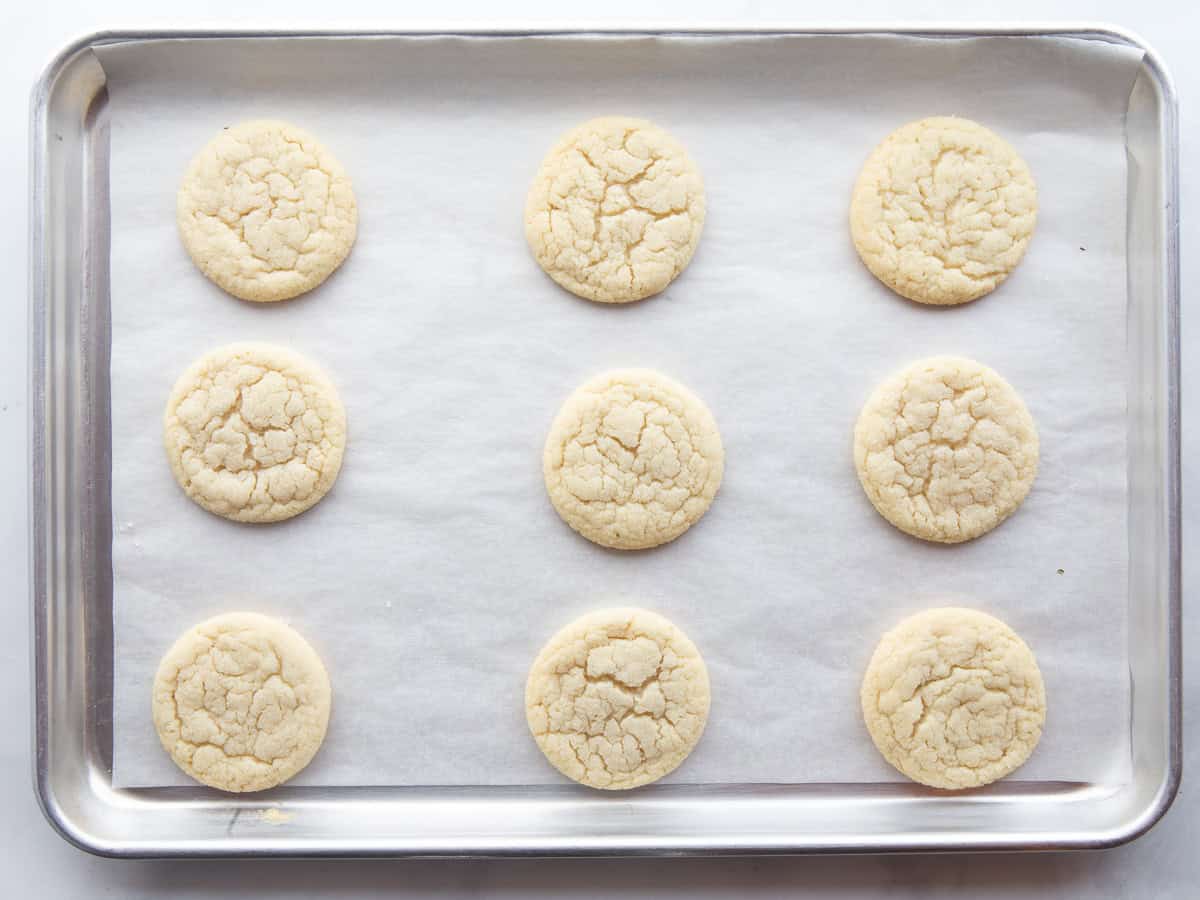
{"x":59,"y":648}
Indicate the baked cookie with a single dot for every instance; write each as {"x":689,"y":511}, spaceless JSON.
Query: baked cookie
{"x":953,"y":698}
{"x":943,"y":211}
{"x":946,"y":449}
{"x":241,"y":702}
{"x":617,"y":699}
{"x":633,"y":459}
{"x":616,"y":210}
{"x":254,"y":433}
{"x":266,"y":212}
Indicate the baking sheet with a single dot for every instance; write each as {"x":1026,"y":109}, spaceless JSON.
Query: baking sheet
{"x":436,"y":568}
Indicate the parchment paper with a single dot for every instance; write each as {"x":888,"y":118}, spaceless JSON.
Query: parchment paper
{"x":436,"y":569}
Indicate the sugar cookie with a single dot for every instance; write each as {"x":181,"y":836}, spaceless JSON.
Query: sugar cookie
{"x":241,"y":702}
{"x":953,"y":698}
{"x":616,"y":210}
{"x":633,"y":459}
{"x":266,"y":212}
{"x":946,"y":449}
{"x":254,"y":433}
{"x":617,"y":699}
{"x":943,"y":210}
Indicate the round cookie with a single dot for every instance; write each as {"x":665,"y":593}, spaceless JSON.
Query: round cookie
{"x":617,"y":699}
{"x":633,"y":459}
{"x":616,"y":210}
{"x":254,"y":433}
{"x":946,"y":449}
{"x":943,"y":211}
{"x":953,"y":698}
{"x":241,"y":702}
{"x":266,"y":212}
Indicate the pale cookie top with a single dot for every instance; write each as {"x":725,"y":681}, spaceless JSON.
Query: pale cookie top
{"x":953,"y":698}
{"x":266,"y":212}
{"x":633,"y":459}
{"x":946,"y":449}
{"x":241,"y":702}
{"x":617,"y":699}
{"x":616,"y":210}
{"x":943,"y":210}
{"x":254,"y":433}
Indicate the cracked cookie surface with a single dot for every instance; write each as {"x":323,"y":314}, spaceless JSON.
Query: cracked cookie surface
{"x":618,"y":698}
{"x":266,"y":212}
{"x":241,"y":702}
{"x":953,"y":698}
{"x":946,"y":449}
{"x":633,"y":459}
{"x":616,"y":210}
{"x":943,"y":210}
{"x":254,"y":433}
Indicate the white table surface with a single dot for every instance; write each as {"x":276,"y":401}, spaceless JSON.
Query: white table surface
{"x":36,"y":862}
